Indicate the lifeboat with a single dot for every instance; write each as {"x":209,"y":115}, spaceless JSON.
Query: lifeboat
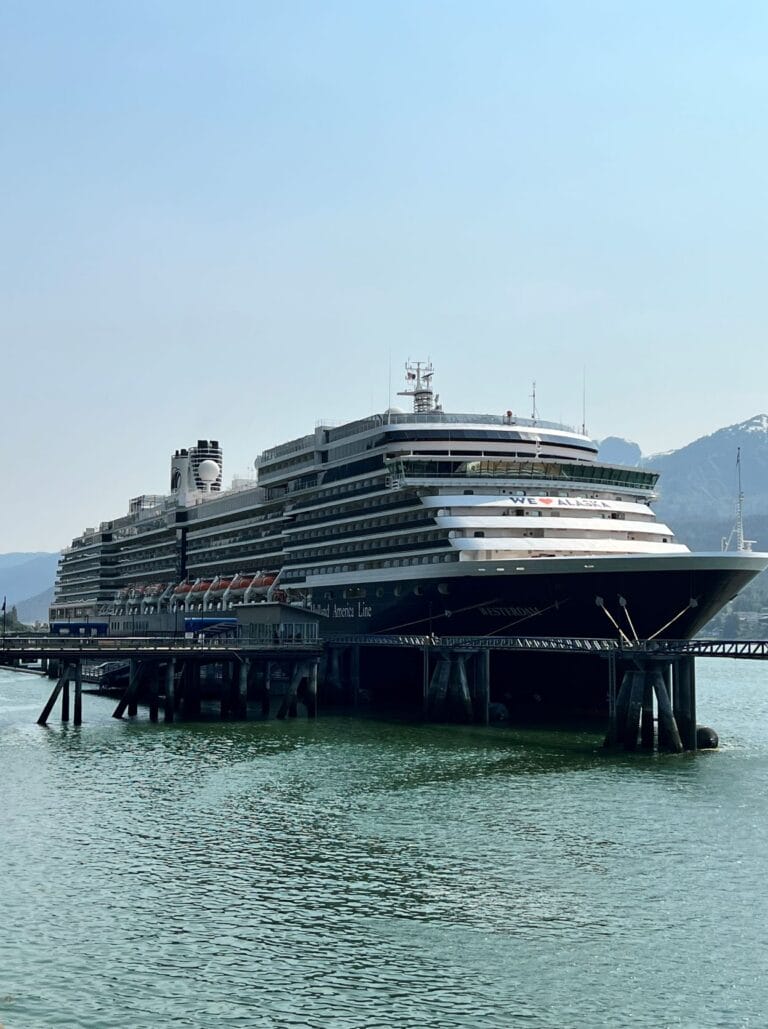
{"x":241,"y":582}
{"x":221,"y":586}
{"x":155,"y":589}
{"x":202,"y":587}
{"x":260,"y":584}
{"x":182,"y":589}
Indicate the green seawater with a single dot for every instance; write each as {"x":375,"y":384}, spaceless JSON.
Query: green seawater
{"x":353,"y":873}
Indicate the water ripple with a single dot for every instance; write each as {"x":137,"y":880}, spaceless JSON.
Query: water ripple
{"x":356,"y":874}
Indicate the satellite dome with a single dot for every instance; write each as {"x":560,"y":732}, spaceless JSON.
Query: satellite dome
{"x":208,"y":471}
{"x":394,"y":410}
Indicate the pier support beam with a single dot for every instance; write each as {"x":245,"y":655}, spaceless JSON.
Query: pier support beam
{"x":191,"y":695}
{"x":288,"y":706}
{"x":154,"y":691}
{"x":133,"y":698}
{"x":438,"y":686}
{"x":662,"y":724}
{"x":646,"y":717}
{"x":459,"y":702}
{"x":67,"y":670}
{"x":333,"y":675}
{"x":446,"y":696}
{"x":128,"y":699}
{"x":303,"y":674}
{"x":633,"y":711}
{"x":170,"y":691}
{"x":241,"y":706}
{"x":65,"y":698}
{"x":482,"y":686}
{"x":666,"y":717}
{"x":227,"y":672}
{"x":78,"y":720}
{"x":684,"y":704}
{"x":311,"y":694}
{"x":266,"y":690}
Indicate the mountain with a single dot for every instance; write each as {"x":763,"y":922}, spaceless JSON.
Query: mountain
{"x":18,"y":558}
{"x":35,"y":609}
{"x":614,"y":450}
{"x":25,"y":575}
{"x":699,"y":483}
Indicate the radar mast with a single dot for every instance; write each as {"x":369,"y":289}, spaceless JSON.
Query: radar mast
{"x":418,"y":375}
{"x":741,"y":543}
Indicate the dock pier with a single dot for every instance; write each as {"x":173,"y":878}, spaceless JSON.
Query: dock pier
{"x":649,"y":699}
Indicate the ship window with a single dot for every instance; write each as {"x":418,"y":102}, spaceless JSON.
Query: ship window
{"x":398,"y":591}
{"x":479,"y":532}
{"x":418,"y":590}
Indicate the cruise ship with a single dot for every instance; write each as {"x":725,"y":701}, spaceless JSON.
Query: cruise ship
{"x":418,"y":522}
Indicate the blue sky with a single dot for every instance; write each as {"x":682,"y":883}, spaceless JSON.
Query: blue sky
{"x":227,"y":220}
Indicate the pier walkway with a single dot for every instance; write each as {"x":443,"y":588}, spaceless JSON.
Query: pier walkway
{"x":32,"y":648}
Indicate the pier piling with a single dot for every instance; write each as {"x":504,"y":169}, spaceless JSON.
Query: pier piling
{"x":67,"y":670}
{"x":169,"y":705}
{"x":78,"y":720}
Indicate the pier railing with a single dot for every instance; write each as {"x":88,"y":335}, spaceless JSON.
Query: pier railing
{"x":303,"y":636}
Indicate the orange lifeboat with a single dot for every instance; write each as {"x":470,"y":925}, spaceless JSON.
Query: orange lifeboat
{"x":261,"y":584}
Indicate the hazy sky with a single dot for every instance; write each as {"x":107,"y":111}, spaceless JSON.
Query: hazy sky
{"x":226,"y":220}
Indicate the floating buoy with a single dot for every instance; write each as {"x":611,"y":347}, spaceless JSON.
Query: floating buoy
{"x":706,"y":738}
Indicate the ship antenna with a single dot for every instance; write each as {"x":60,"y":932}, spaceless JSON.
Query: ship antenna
{"x":739,"y":505}
{"x":584,"y":401}
{"x":389,"y":389}
{"x":741,"y":543}
{"x":418,"y":377}
{"x":534,"y":413}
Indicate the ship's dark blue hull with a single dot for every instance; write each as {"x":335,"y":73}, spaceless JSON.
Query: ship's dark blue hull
{"x":640,"y":599}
